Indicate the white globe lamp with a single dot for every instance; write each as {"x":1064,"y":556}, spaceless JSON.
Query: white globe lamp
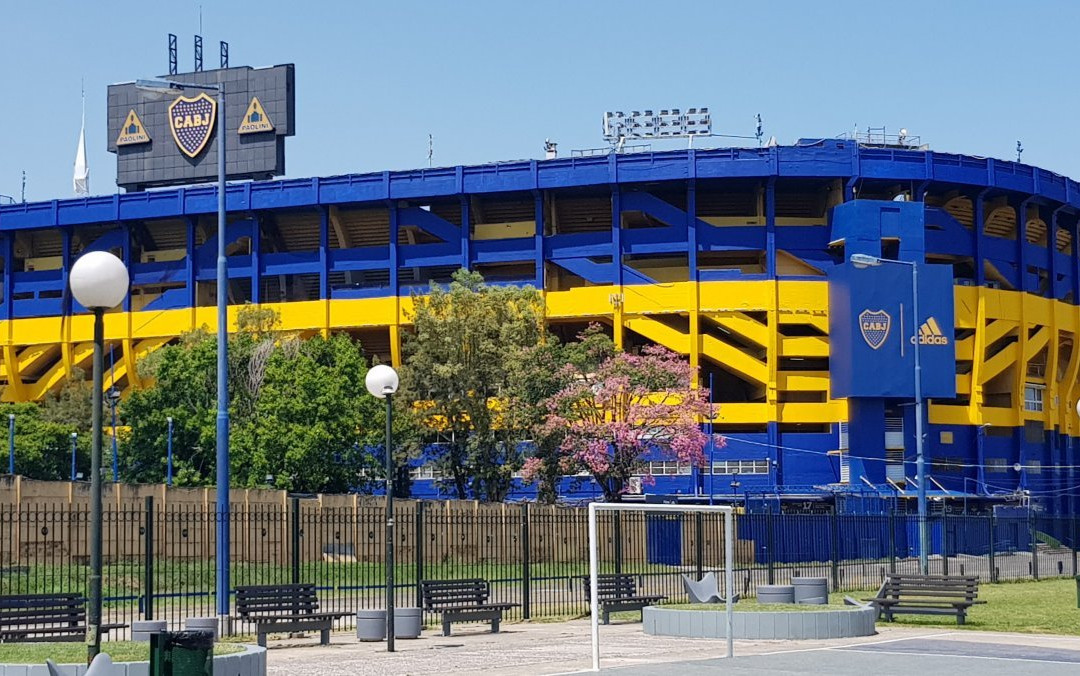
{"x":99,"y":280}
{"x":381,"y":380}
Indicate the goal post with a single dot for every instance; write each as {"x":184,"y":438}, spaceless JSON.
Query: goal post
{"x":594,"y":560}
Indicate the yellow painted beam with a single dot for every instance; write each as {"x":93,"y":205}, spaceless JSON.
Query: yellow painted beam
{"x":741,"y":324}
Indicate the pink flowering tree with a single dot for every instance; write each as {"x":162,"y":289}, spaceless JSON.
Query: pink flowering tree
{"x":609,"y":419}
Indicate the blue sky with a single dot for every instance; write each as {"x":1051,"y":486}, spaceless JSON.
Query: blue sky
{"x":490,"y":80}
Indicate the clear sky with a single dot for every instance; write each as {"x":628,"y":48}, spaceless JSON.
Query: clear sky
{"x":491,"y":80}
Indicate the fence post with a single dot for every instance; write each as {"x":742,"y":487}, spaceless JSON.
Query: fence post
{"x":419,"y":551}
{"x":834,"y":546}
{"x":993,"y":569}
{"x":770,"y":542}
{"x":892,"y":541}
{"x":1075,"y":544}
{"x":526,"y":564}
{"x":944,"y":541}
{"x":148,"y":560}
{"x":699,"y":544}
{"x":617,"y":531}
{"x":1033,"y":527}
{"x":296,"y":540}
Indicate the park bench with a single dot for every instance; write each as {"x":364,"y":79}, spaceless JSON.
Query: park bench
{"x":281,"y":608}
{"x":617,"y":592}
{"x":927,"y":595}
{"x":462,"y":601}
{"x":45,"y":617}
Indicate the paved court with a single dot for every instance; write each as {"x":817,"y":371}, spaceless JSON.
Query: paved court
{"x":564,"y":648}
{"x":956,"y":654}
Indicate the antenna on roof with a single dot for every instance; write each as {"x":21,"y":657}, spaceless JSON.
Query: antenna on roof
{"x":198,"y":53}
{"x":224,"y":55}
{"x":1019,"y":150}
{"x":24,"y":186}
{"x":760,"y":130}
{"x":172,"y":54}
{"x":430,"y":150}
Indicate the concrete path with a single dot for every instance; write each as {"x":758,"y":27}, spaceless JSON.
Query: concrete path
{"x":559,"y":648}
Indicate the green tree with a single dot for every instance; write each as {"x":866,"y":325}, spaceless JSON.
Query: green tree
{"x":43,"y":446}
{"x":298,"y":409}
{"x":459,"y":366}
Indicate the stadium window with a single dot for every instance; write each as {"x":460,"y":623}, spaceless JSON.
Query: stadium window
{"x":1033,"y":397}
{"x":946,"y":437}
{"x":424,"y":472}
{"x":996,"y":465}
{"x":1033,"y":466}
{"x":948,"y":464}
{"x":1033,"y":431}
{"x":741,"y":467}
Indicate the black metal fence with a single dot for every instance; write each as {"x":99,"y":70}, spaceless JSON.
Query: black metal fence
{"x":160,"y":560}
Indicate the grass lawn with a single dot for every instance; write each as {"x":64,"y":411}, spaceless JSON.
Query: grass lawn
{"x":1046,"y":607}
{"x":75,"y":653}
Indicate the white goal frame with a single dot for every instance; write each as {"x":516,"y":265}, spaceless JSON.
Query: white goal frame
{"x":594,"y":557}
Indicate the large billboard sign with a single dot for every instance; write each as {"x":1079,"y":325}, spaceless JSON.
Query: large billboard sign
{"x":873,"y":331}
{"x":170,"y":137}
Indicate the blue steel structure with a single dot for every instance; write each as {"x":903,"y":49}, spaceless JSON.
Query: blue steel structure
{"x":719,"y":254}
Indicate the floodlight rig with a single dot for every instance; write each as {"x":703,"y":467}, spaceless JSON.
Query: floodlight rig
{"x":667,"y":123}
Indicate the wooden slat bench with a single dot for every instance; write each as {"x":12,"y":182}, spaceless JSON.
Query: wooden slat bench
{"x":617,"y":592}
{"x":927,"y":595}
{"x":462,"y":601}
{"x":281,"y":608}
{"x":45,"y":617}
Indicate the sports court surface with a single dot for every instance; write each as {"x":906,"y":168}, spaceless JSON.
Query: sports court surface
{"x":955,"y":653}
{"x":564,"y":648}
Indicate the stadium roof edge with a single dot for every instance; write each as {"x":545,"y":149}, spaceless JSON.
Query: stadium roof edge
{"x":825,"y":158}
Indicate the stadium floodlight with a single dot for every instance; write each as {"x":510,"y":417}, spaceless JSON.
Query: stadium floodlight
{"x":594,"y":562}
{"x":667,"y":123}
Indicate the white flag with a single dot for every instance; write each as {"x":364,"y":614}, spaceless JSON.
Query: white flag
{"x":81,"y":179}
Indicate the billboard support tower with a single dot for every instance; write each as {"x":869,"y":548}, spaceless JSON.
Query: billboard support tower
{"x":172,"y":53}
{"x":224,"y":55}
{"x":198,"y":54}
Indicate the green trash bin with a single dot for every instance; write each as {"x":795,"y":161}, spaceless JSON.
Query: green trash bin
{"x":182,"y":653}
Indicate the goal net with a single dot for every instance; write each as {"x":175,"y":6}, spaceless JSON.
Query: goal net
{"x":594,"y":557}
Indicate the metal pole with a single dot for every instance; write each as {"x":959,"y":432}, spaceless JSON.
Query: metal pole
{"x":594,"y":603}
{"x":114,"y":399}
{"x":729,"y":578}
{"x":222,"y":586}
{"x":11,"y":443}
{"x":389,"y":526}
{"x":920,"y":460}
{"x":168,"y":457}
{"x":93,"y":610}
{"x":115,"y":452}
{"x":74,"y":446}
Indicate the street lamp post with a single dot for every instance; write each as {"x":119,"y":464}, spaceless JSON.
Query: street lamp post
{"x":382,"y":383}
{"x":168,"y":455}
{"x":114,"y":400}
{"x":11,"y":443}
{"x":74,"y":450}
{"x":863,"y":261}
{"x":223,"y":550}
{"x":99,"y":281}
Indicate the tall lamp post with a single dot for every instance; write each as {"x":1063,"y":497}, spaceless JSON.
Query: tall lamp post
{"x":865,"y":261}
{"x":382,"y":383}
{"x":11,"y":443}
{"x":99,"y":281}
{"x":114,"y":401}
{"x":74,"y":452}
{"x":168,"y":455}
{"x":223,"y":550}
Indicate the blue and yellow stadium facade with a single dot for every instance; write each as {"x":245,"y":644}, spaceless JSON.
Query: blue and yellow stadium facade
{"x":721,"y":255}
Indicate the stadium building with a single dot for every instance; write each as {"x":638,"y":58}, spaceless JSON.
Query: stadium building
{"x":732,"y":257}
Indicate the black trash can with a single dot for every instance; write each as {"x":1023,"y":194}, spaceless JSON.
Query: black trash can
{"x":182,"y":653}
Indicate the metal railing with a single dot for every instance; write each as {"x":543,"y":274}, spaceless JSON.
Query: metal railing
{"x":160,"y":561}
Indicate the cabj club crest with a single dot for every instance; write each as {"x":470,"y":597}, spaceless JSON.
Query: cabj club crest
{"x":875,"y":327}
{"x":191,"y":121}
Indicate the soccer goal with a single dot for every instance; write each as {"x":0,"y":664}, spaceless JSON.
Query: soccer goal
{"x":594,"y":560}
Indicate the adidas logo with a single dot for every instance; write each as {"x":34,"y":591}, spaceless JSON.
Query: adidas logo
{"x":930,"y":334}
